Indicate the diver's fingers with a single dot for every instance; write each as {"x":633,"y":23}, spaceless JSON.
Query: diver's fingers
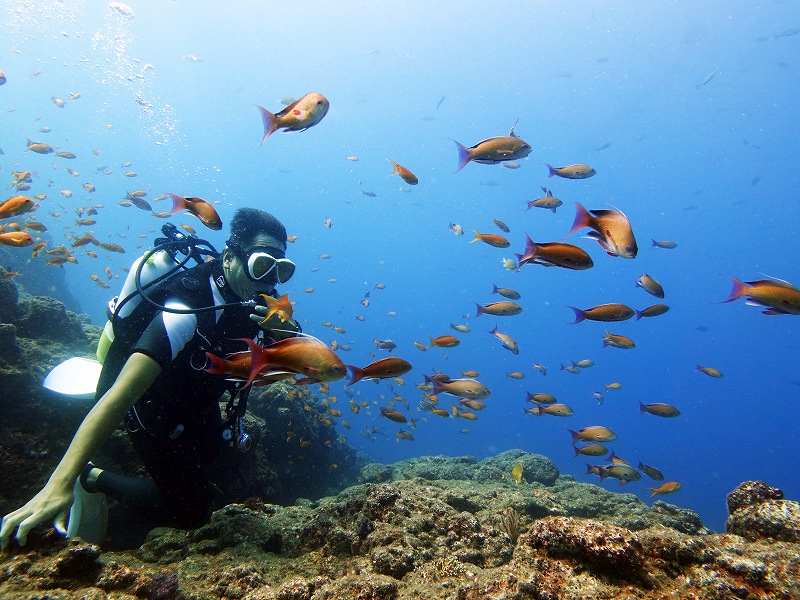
{"x":259,"y":308}
{"x":257,"y":318}
{"x":60,"y":522}
{"x":6,"y":528}
{"x":10,"y":523}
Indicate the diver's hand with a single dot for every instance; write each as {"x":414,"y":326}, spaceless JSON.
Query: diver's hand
{"x":274,"y":327}
{"x":48,"y":503}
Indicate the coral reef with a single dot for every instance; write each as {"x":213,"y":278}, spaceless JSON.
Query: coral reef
{"x":406,"y":539}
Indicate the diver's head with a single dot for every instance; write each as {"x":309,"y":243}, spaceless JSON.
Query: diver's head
{"x":254,"y":259}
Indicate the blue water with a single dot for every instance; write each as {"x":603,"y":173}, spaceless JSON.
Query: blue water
{"x":711,"y":166}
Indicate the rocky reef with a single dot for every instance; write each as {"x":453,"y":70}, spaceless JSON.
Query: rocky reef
{"x":425,"y":538}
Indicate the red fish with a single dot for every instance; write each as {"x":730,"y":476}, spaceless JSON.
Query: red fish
{"x":612,"y":230}
{"x":298,"y":116}
{"x":493,"y":151}
{"x":380,"y":369}
{"x":303,"y":355}
{"x":777,"y":296}
{"x":200,"y":208}
{"x":554,"y":254}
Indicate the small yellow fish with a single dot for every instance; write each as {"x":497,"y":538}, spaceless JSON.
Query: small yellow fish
{"x":710,"y":371}
{"x":516,"y":472}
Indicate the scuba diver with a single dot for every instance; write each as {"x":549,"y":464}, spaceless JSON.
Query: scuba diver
{"x":153,"y":378}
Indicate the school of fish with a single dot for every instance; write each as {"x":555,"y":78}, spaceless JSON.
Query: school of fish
{"x":35,"y":206}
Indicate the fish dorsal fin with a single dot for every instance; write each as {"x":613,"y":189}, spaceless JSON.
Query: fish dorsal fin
{"x":613,"y":211}
{"x":511,"y":131}
{"x":780,"y":282}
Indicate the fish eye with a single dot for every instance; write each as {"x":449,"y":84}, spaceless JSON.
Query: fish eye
{"x":627,"y":248}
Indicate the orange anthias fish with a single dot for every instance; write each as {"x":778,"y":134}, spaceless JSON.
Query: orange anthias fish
{"x":16,"y":205}
{"x":617,"y":341}
{"x":659,"y":409}
{"x":554,"y":254}
{"x":444,"y":341}
{"x":572,"y":171}
{"x":471,"y":389}
{"x":16,"y":239}
{"x":777,"y":296}
{"x":593,"y":433}
{"x":298,"y":116}
{"x":498,"y":241}
{"x":404,"y":173}
{"x":548,"y":201}
{"x":650,"y":285}
{"x":506,"y":340}
{"x":200,"y":208}
{"x":303,"y":355}
{"x":238,"y":366}
{"x":603,"y":312}
{"x":384,"y":368}
{"x":393,"y":415}
{"x":666,"y":488}
{"x":504,"y":308}
{"x":612,"y":230}
{"x":280,"y":306}
{"x":493,"y":151}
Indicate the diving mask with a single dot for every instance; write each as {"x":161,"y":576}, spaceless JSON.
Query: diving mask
{"x":259,"y":263}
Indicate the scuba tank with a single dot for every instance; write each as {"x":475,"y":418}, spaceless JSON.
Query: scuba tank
{"x":155,"y":266}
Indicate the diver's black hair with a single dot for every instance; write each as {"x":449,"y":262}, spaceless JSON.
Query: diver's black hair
{"x":248,"y":223}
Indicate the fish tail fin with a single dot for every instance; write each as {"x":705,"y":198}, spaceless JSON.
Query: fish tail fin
{"x":529,"y":254}
{"x":356,"y":375}
{"x":655,"y":244}
{"x":259,"y":360}
{"x":216,"y":364}
{"x":642,"y":407}
{"x":396,"y":167}
{"x":553,"y":170}
{"x":494,"y":288}
{"x":530,"y":204}
{"x":653,"y":491}
{"x":639,"y":314}
{"x":479,"y":310}
{"x":477,"y":237}
{"x":270,"y":123}
{"x":739,"y":290}
{"x":463,"y":156}
{"x":582,"y":219}
{"x":575,"y":436}
{"x":540,"y":411}
{"x":579,"y":315}
{"x":178,"y":204}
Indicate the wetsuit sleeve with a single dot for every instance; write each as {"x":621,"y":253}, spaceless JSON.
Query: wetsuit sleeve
{"x":167,"y":334}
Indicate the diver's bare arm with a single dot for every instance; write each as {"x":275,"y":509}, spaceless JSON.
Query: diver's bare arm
{"x":139,"y":372}
{"x":55,"y":498}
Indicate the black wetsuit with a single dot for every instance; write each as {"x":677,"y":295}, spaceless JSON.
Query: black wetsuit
{"x":176,"y":425}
